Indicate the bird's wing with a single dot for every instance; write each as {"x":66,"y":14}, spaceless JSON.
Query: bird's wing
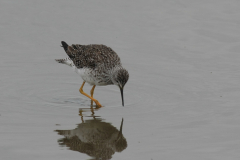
{"x":91,"y":56}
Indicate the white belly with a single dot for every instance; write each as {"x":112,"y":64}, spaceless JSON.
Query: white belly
{"x":88,"y":77}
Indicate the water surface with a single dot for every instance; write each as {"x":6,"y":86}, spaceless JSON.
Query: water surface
{"x":182,"y":98}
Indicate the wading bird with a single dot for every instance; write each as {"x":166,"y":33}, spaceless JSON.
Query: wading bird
{"x":98,"y":65}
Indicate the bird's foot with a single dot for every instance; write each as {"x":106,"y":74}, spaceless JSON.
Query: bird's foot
{"x":98,"y":104}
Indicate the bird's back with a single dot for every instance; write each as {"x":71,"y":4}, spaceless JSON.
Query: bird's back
{"x":93,"y":56}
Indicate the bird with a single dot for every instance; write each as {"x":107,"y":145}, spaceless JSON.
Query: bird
{"x":98,"y":65}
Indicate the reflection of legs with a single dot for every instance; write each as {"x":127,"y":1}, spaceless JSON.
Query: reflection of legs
{"x":80,"y":114}
{"x":92,"y":110}
{"x":85,"y":94}
{"x":92,"y":90}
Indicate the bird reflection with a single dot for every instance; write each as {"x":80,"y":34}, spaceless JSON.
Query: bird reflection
{"x":95,"y":138}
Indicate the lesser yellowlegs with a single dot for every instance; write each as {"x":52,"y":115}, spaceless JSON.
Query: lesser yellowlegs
{"x":98,"y":65}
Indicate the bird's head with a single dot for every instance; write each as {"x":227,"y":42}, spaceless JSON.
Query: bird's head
{"x":120,"y":78}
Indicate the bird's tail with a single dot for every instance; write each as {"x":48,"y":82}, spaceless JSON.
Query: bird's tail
{"x":66,"y":61}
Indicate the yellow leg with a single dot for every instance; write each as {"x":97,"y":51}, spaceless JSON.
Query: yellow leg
{"x":85,"y":94}
{"x":92,"y":90}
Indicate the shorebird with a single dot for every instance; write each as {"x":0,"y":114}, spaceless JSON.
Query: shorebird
{"x":98,"y":65}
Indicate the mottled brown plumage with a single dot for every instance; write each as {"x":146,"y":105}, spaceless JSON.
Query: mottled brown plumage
{"x":97,"y":65}
{"x":92,"y":56}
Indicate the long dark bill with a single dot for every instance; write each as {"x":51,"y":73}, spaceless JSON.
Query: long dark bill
{"x":121,"y":90}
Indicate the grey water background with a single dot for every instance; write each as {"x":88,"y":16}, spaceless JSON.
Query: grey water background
{"x":182,"y":100}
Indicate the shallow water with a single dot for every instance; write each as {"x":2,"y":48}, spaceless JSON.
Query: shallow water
{"x":182,"y":98}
